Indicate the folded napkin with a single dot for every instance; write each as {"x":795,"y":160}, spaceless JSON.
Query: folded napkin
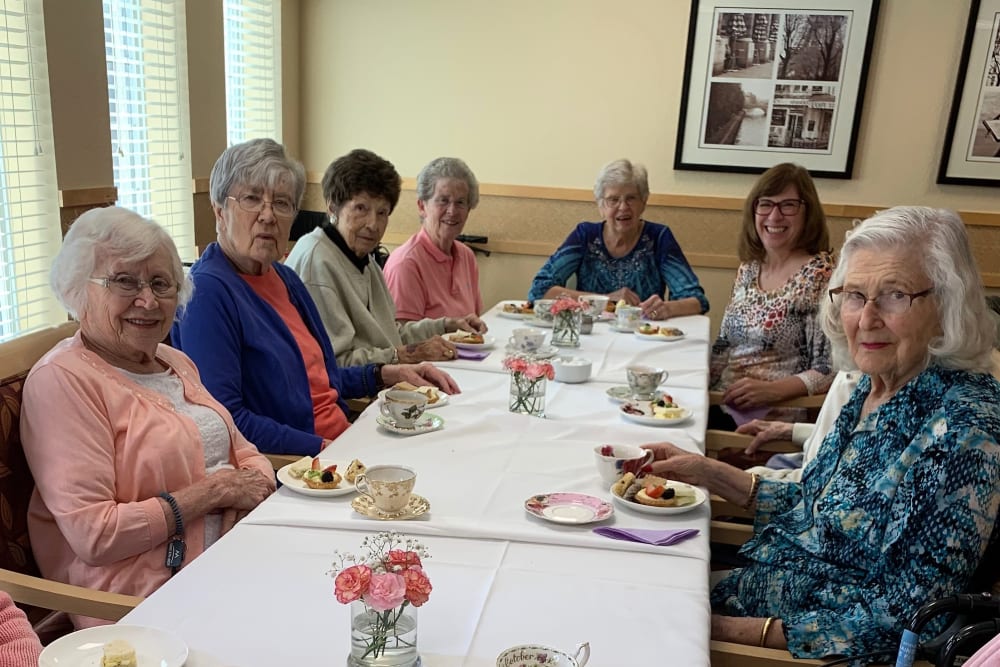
{"x":472,"y":355}
{"x":742,"y":417}
{"x":660,"y":538}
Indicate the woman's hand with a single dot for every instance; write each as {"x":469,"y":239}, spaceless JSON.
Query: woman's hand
{"x":655,"y":308}
{"x":470,"y":322}
{"x":420,"y":375}
{"x":624,"y":294}
{"x":672,"y":462}
{"x":432,"y":349}
{"x":764,"y":431}
{"x":747,"y":630}
{"x":748,"y":393}
{"x":242,"y":489}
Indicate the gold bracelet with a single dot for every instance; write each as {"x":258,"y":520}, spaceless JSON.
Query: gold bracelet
{"x":754,"y":485}
{"x":767,"y":626}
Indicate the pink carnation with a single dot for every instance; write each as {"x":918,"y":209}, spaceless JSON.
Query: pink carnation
{"x":418,"y":586}
{"x":352,"y":583}
{"x":401,"y":560}
{"x":537,"y":370}
{"x":385,"y":592}
{"x":516,"y":364}
{"x":565,"y":303}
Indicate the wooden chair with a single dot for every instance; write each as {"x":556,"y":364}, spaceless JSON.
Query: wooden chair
{"x":812,"y":402}
{"x":279,"y":461}
{"x":19,"y":575}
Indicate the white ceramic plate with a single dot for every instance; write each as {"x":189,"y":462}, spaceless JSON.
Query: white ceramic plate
{"x":700,"y":498}
{"x":85,"y":648}
{"x":298,"y":486}
{"x":488,"y":342}
{"x":535,"y":322}
{"x":428,"y":422}
{"x":544,"y":352}
{"x":513,"y":316}
{"x":443,"y":398}
{"x":574,"y":508}
{"x":614,"y":327}
{"x":658,"y":336}
{"x":647,"y":418}
{"x":622,"y":394}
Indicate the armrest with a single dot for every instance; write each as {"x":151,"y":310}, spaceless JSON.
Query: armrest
{"x":716,"y":440}
{"x":58,"y":596}
{"x":814,"y":401}
{"x":279,"y":461}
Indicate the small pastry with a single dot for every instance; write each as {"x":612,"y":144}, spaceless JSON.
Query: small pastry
{"x":297,"y":469}
{"x":118,"y":653}
{"x":328,"y":478}
{"x":353,"y":470}
{"x":622,"y":484}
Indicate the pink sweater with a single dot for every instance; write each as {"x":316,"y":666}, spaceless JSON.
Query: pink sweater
{"x":101,"y":449}
{"x":19,"y":645}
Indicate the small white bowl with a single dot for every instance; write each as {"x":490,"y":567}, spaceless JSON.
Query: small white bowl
{"x":571,"y":369}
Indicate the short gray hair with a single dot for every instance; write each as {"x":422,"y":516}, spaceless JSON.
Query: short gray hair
{"x":622,"y":172}
{"x":938,"y":240}
{"x":109,"y":233}
{"x":256,"y":163}
{"x":446,"y":167}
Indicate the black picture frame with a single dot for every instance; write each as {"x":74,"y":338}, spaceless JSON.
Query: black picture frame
{"x":971,"y":153}
{"x":771,"y":82}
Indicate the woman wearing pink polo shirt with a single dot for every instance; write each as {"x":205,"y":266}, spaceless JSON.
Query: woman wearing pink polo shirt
{"x":433,"y":274}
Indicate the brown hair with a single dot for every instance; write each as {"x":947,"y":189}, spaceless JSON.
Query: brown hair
{"x":360,"y":171}
{"x":815,"y":232}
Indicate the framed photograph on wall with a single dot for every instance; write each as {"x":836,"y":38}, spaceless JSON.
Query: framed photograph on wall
{"x":972,"y":142}
{"x":774,"y":81}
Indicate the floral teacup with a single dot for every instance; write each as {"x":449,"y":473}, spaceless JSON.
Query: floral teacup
{"x":389,"y":486}
{"x":534,"y":655}
{"x":613,"y":461}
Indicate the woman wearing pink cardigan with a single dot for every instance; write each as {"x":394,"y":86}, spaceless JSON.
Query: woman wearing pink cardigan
{"x":19,"y":646}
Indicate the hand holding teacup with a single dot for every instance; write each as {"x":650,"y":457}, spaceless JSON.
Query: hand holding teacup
{"x":613,"y":461}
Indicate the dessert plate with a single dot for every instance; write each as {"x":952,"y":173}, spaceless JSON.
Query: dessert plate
{"x":647,"y":418}
{"x":488,"y":342}
{"x":514,"y":315}
{"x":544,"y":352}
{"x":700,"y":497}
{"x":659,"y":336}
{"x":365,"y":506}
{"x":442,"y":398}
{"x":298,"y":486}
{"x":428,"y":422}
{"x":86,"y":647}
{"x":614,"y":327}
{"x":575,"y":508}
{"x":535,"y":322}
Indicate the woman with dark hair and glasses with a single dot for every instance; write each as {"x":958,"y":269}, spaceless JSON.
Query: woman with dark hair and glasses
{"x":770,"y":346}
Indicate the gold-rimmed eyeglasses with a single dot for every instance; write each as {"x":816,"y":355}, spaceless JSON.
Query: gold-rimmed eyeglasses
{"x":892,"y":302}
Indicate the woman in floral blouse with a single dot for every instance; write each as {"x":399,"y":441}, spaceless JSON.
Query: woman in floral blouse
{"x":770,"y":347}
{"x":900,"y":503}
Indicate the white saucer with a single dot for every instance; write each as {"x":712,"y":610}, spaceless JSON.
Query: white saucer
{"x":647,"y":418}
{"x":535,"y":322}
{"x":615,"y":327}
{"x":575,"y":508}
{"x":427,"y":423}
{"x":86,"y":647}
{"x":544,"y":352}
{"x":298,"y":486}
{"x":622,"y":393}
{"x":365,"y":506}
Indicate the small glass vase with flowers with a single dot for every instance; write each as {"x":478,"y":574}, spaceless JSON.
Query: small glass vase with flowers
{"x":384,"y":585}
{"x":567,"y":318}
{"x":528,"y":377}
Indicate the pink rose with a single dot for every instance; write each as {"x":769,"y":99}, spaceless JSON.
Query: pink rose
{"x":418,"y":586}
{"x":352,"y":583}
{"x":401,"y":560}
{"x":385,"y":591}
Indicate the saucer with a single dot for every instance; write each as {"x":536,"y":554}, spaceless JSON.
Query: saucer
{"x":427,"y":423}
{"x":544,"y":352}
{"x":622,"y":393}
{"x":614,"y":327}
{"x":442,"y":398}
{"x":575,"y":508}
{"x":535,"y":322}
{"x":365,"y":506}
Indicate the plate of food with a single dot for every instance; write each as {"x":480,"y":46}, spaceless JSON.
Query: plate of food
{"x":573,"y":508}
{"x":435,"y":396}
{"x":659,"y":412}
{"x":125,"y":645}
{"x":649,"y":331}
{"x":471,"y":341}
{"x":320,"y":477}
{"x":516,"y":310}
{"x":651,"y":494}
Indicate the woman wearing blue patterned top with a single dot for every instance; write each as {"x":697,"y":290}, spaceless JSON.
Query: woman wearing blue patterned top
{"x":901,"y":501}
{"x":625,"y":257}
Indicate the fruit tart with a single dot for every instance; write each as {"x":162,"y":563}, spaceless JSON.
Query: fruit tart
{"x":322,"y":478}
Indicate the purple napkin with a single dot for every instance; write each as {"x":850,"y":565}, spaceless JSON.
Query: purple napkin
{"x":472,"y":355}
{"x":660,"y":538}
{"x":742,"y":417}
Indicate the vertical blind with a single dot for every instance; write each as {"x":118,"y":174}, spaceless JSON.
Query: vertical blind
{"x":146,"y":50}
{"x":30,"y":231}
{"x":253,"y":69}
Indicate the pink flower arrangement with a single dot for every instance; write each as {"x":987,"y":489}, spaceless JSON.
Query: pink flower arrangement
{"x":566,"y":303}
{"x":529,"y":367}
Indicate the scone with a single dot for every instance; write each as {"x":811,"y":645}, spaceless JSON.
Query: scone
{"x":118,"y":653}
{"x":621,"y":486}
{"x":353,"y":470}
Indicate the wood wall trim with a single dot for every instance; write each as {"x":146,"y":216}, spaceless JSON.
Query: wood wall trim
{"x":87,"y":197}
{"x":199,"y":185}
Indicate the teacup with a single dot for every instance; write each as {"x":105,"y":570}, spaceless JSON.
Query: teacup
{"x":527,"y":339}
{"x":622,"y":459}
{"x":389,"y":486}
{"x":542,"y":309}
{"x":534,"y":655}
{"x":403,"y":407}
{"x":628,"y":316}
{"x":596,"y":303}
{"x":643,"y":380}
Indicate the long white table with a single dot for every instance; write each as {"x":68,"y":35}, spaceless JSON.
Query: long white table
{"x":501,"y":577}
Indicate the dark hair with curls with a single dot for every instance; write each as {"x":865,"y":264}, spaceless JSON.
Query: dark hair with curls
{"x":360,"y":171}
{"x":815,"y":232}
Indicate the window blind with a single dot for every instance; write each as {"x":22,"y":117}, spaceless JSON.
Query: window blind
{"x":253,"y":69}
{"x":30,"y":231}
{"x":146,"y":51}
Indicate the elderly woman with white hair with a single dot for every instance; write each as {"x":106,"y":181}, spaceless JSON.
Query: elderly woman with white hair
{"x":434,"y":274}
{"x":900,"y":502}
{"x":141,"y":470}
{"x":624,"y":257}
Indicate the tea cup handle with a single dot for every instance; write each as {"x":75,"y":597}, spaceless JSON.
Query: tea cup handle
{"x":647,"y":459}
{"x":361,"y":484}
{"x":582,"y":654}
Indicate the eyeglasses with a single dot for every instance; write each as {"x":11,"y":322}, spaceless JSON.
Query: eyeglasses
{"x":252,"y":203}
{"x":614,"y":200}
{"x":445,"y":202}
{"x":126,"y":285}
{"x":785,"y":206}
{"x":887,"y":303}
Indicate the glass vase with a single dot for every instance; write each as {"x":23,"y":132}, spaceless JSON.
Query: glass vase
{"x":383,"y":638}
{"x":527,"y":395}
{"x":566,"y":328}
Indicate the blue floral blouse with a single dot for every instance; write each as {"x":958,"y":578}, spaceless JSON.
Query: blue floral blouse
{"x":655,"y":264}
{"x":895,"y":511}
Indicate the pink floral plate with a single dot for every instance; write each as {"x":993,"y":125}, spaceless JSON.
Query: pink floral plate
{"x":576,"y":508}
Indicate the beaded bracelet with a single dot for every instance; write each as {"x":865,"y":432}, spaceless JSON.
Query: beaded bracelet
{"x":754,"y":485}
{"x":176,"y":546}
{"x":767,"y":626}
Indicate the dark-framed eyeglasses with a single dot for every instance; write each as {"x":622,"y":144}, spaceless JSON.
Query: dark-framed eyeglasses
{"x":126,"y":285}
{"x":892,"y":302}
{"x":785,"y":206}
{"x":252,"y":203}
